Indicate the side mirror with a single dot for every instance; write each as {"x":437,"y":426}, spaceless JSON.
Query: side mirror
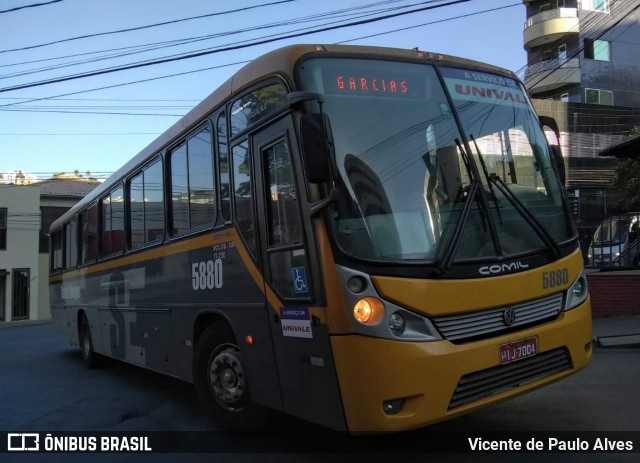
{"x":556,"y":152}
{"x":316,"y":147}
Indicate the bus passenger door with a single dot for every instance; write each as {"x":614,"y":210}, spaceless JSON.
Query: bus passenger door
{"x":307,"y":375}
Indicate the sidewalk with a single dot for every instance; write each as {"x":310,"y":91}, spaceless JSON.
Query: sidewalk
{"x":620,"y":331}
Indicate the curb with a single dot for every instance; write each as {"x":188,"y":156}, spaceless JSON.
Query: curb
{"x":618,"y":341}
{"x":7,"y":325}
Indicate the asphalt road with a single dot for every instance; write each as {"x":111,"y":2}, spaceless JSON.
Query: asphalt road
{"x":45,"y":387}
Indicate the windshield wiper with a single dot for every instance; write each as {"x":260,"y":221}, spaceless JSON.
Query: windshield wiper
{"x":445,"y":263}
{"x":494,"y":179}
{"x":535,"y":224}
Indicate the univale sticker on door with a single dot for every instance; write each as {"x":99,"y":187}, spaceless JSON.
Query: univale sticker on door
{"x":295,"y":322}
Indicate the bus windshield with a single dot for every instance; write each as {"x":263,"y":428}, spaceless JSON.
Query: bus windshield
{"x":612,"y":231}
{"x":412,"y":168}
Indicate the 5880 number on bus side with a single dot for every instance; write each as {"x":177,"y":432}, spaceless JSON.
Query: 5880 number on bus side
{"x":206,"y":275}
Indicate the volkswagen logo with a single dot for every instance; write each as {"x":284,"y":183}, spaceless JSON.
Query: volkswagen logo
{"x":509,"y":316}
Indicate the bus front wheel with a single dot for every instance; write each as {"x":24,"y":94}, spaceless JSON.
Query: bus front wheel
{"x":222,"y":383}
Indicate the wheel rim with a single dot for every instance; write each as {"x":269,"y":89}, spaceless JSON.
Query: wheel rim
{"x":227,"y":378}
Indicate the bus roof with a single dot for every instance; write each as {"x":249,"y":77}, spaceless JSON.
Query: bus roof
{"x":280,"y":61}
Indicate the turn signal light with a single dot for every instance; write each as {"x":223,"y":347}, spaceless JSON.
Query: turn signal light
{"x":368,"y":311}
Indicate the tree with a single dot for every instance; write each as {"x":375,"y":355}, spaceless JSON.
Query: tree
{"x":626,"y":179}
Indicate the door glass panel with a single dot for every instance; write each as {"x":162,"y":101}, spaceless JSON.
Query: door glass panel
{"x":281,"y":197}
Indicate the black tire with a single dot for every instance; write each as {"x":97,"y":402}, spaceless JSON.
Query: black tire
{"x":91,"y":359}
{"x":222,"y":384}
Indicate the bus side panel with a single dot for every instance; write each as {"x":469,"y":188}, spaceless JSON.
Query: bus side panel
{"x":308,"y":377}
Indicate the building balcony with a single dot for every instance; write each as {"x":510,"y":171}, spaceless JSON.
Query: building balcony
{"x":552,"y":74}
{"x":549,"y":26}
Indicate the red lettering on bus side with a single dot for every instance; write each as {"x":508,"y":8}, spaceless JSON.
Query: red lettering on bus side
{"x":352,"y":83}
{"x":394,"y":87}
{"x":403,"y":86}
{"x":340,"y":82}
{"x":384,"y":86}
{"x":363,"y":84}
{"x":374,"y":84}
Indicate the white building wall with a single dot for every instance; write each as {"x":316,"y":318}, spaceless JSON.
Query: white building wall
{"x":23,"y":228}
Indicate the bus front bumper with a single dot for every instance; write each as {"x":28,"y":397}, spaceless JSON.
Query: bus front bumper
{"x":425,"y":377}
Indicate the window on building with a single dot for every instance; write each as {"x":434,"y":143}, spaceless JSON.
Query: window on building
{"x":597,"y":96}
{"x":89,"y":235}
{"x":48,"y":215}
{"x":192,"y":184}
{"x":3,"y":228}
{"x":146,"y":206}
{"x":112,"y":223}
{"x":562,"y":53}
{"x":597,"y":49}
{"x":596,"y":5}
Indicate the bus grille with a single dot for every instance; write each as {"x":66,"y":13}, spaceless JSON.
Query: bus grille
{"x":476,"y":325}
{"x":474,"y":386}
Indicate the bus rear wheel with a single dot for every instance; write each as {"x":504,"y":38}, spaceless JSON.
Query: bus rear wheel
{"x":222,"y":383}
{"x":91,"y":359}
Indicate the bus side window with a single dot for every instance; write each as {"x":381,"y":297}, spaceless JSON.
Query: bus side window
{"x":112,"y":223}
{"x":223,"y":168}
{"x":71,"y":244}
{"x":89,"y":235}
{"x":192,"y":184}
{"x":146,"y":210}
{"x":244,"y":195}
{"x":57,"y":239}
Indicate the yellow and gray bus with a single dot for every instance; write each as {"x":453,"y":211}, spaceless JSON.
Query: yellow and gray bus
{"x":370,"y":239}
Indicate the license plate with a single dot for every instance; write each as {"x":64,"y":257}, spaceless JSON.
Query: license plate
{"x":518,"y":350}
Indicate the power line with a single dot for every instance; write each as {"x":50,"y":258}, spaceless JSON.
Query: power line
{"x":33,"y":5}
{"x":144,"y":48}
{"x":128,"y":83}
{"x":228,"y":48}
{"x":148,"y":26}
{"x":61,"y":96}
{"x":429,"y":23}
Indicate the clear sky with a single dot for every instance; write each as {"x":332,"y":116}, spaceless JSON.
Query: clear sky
{"x":89,"y":132}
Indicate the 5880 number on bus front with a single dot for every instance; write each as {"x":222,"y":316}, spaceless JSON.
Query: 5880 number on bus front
{"x":555,"y":278}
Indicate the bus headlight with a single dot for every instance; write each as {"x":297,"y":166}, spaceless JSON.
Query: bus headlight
{"x":368,"y":310}
{"x":397,"y":324}
{"x":577,"y":293}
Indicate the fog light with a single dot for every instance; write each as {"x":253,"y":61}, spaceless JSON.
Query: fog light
{"x":356,"y":284}
{"x":397,"y":324}
{"x":391,"y":407}
{"x":368,"y":310}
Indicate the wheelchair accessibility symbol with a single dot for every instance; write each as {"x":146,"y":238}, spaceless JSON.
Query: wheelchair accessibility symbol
{"x":299,"y":276}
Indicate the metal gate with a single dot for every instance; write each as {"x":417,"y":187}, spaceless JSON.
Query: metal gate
{"x":20,"y":293}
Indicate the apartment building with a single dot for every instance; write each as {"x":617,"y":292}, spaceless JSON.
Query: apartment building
{"x":583,"y":63}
